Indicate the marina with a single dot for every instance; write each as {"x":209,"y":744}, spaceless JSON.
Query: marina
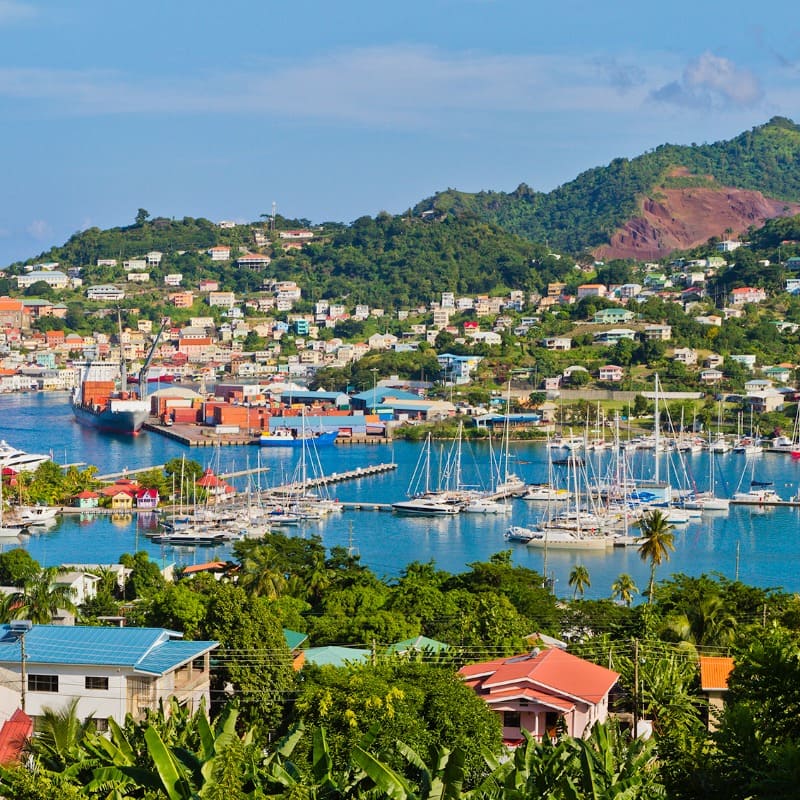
{"x":766,"y":535}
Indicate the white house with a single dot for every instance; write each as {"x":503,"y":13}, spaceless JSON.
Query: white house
{"x":685,"y":355}
{"x":747,"y":294}
{"x":747,"y":360}
{"x":105,"y":292}
{"x":110,"y":671}
{"x":612,"y":373}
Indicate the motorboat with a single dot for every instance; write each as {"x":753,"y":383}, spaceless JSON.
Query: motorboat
{"x":35,"y":515}
{"x":545,"y":493}
{"x":19,"y":460}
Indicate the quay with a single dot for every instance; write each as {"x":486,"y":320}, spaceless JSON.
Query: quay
{"x":196,"y":436}
{"x":780,"y":503}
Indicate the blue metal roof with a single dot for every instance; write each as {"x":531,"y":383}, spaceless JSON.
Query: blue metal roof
{"x":153,"y":650}
{"x":334,"y":656}
{"x":172,"y":654}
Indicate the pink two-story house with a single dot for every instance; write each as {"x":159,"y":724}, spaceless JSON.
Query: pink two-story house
{"x":535,"y":691}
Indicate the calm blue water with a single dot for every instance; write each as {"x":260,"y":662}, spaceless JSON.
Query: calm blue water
{"x":768,"y":540}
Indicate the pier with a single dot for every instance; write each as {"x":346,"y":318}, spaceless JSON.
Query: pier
{"x":198,"y":436}
{"x":334,"y":477}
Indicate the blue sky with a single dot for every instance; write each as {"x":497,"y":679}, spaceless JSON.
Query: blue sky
{"x":335,"y":110}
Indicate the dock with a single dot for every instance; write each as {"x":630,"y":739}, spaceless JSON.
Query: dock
{"x":198,"y":436}
{"x":334,"y":477}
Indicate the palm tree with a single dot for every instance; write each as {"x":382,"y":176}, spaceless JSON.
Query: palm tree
{"x":624,"y":588}
{"x":262,"y":575}
{"x":579,"y":578}
{"x":59,"y":737}
{"x":657,"y":540}
{"x":40,"y":598}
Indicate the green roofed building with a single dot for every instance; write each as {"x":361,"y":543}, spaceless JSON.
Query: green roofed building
{"x":418,"y":644}
{"x":333,"y":656}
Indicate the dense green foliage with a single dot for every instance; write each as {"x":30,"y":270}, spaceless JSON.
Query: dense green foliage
{"x":586,"y":211}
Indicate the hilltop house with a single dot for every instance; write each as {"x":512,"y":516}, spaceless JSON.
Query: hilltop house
{"x":110,"y":671}
{"x":612,"y":316}
{"x":537,"y":690}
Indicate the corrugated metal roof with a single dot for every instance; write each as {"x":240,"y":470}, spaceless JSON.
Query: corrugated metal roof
{"x":334,"y":656}
{"x":96,"y":646}
{"x":172,"y":654}
{"x":714,"y":673}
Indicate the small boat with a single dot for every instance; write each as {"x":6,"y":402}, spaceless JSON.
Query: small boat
{"x":484,"y":505}
{"x":289,"y":437}
{"x":517,"y":533}
{"x":545,"y":493}
{"x":427,"y":505}
{"x":36,"y":515}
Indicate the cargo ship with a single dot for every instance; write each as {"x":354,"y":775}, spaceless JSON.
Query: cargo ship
{"x":97,"y":403}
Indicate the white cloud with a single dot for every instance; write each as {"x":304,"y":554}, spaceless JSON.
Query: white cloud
{"x":711,"y":81}
{"x":39,"y":229}
{"x":11,"y":11}
{"x":405,"y":86}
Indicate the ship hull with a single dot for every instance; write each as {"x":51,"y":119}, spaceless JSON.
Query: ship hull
{"x":318,"y":440}
{"x":124,"y":423}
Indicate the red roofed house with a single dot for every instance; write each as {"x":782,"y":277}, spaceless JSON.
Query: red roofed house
{"x":86,"y":499}
{"x":535,"y":690}
{"x":14,"y":736}
{"x":216,"y":487}
{"x":714,"y":674}
{"x":147,"y":498}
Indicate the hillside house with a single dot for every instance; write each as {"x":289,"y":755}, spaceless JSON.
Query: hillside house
{"x":557,"y":343}
{"x":611,"y":373}
{"x":747,"y":294}
{"x":539,"y":690}
{"x":613,"y":336}
{"x":685,"y":355}
{"x":612,"y":316}
{"x":711,"y":376}
{"x":591,"y":290}
{"x":657,"y":333}
{"x":110,"y":671}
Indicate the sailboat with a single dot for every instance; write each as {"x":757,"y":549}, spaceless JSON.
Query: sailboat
{"x":422,"y":499}
{"x":708,"y":500}
{"x":759,"y":492}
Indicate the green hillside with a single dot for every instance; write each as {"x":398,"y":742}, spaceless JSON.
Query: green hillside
{"x":584,"y":213}
{"x":384,"y":261}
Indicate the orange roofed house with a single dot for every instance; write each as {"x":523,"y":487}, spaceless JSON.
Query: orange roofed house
{"x":714,"y":674}
{"x":536,"y":690}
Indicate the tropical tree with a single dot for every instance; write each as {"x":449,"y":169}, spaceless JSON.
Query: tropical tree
{"x":60,"y":734}
{"x":579,"y":580}
{"x":40,"y":597}
{"x":624,"y":588}
{"x":657,"y":541}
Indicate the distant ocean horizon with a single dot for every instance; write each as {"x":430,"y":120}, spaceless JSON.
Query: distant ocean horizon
{"x":762,"y":543}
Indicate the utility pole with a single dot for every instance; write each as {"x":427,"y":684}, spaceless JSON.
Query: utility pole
{"x":635,"y":688}
{"x":23,"y":670}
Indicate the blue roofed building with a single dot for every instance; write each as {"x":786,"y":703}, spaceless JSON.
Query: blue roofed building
{"x":111,"y":671}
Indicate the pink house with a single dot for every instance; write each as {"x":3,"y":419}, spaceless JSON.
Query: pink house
{"x":612,"y":373}
{"x":147,"y":498}
{"x":536,"y":690}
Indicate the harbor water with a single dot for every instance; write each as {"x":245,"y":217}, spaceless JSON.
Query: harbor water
{"x":759,"y":544}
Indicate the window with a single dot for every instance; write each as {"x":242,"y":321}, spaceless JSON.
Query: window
{"x":96,"y":682}
{"x":512,"y":719}
{"x":199,"y":664}
{"x":42,"y":683}
{"x":100,"y":724}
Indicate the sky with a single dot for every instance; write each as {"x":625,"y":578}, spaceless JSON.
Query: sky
{"x":336,"y":110}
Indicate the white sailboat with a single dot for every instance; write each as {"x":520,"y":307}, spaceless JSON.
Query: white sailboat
{"x":422,"y":499}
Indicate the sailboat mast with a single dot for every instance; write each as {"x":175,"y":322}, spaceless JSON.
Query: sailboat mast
{"x":657,"y":429}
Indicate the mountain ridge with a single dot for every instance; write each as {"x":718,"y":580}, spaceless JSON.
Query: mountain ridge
{"x":589,"y":211}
